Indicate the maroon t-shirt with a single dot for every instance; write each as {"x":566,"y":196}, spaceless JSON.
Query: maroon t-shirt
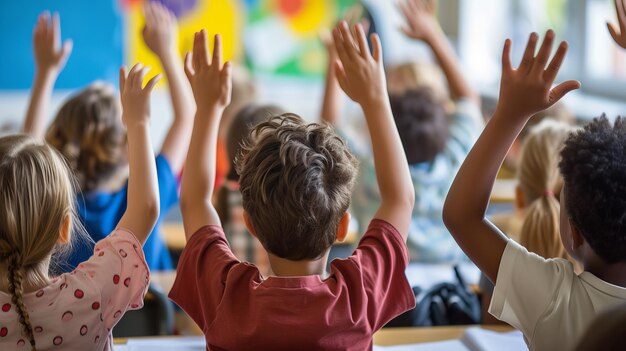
{"x":239,"y":310}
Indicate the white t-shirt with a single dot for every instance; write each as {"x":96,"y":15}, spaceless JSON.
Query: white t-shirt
{"x":546,"y":300}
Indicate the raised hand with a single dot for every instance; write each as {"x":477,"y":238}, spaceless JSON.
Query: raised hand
{"x":528,"y":89}
{"x":359,"y":73}
{"x":211,"y":81}
{"x":135,"y":99}
{"x":161,"y":30}
{"x":50,"y":56}
{"x":619,"y":34}
{"x":421,"y":22}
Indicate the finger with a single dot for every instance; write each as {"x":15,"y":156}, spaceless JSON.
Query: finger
{"x":217,"y":51}
{"x":196,"y":51}
{"x":621,"y":14}
{"x":348,"y":42}
{"x":614,"y":33}
{"x":506,"y":57}
{"x":338,"y":39}
{"x":147,"y":13}
{"x":539,"y":65}
{"x":561,"y":90}
{"x":529,"y":53}
{"x":68,"y":45}
{"x":406,"y":10}
{"x":362,"y":40}
{"x":56,"y":30}
{"x":188,"y":66}
{"x":123,"y":76}
{"x":555,"y":65}
{"x":203,"y":53}
{"x":227,"y":80}
{"x":366,"y":24}
{"x":377,"y":48}
{"x":131,"y":78}
{"x":47,"y":32}
{"x":139,"y":78}
{"x":340,"y":73}
{"x":152,"y":82}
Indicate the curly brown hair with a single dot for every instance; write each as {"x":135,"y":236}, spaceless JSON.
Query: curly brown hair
{"x":88,"y":132}
{"x":296,"y":181}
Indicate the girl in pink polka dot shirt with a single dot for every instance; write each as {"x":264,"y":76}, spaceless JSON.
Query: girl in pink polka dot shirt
{"x":77,"y":310}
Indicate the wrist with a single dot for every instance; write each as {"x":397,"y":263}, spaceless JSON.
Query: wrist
{"x":46,"y":73}
{"x":138,"y":125}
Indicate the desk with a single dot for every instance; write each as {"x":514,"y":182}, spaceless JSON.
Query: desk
{"x":396,"y":336}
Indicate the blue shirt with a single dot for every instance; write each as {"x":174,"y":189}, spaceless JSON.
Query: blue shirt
{"x":101,"y":211}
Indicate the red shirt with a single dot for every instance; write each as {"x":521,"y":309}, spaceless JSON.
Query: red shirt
{"x":239,"y":310}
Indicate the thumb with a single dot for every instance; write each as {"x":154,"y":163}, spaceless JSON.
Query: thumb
{"x":558,"y":92}
{"x":614,"y":33}
{"x":66,"y":50}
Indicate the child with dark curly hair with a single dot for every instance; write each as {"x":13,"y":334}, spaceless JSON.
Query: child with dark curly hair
{"x":545,"y":298}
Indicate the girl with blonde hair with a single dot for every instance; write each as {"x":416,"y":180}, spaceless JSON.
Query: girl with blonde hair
{"x":73,"y":311}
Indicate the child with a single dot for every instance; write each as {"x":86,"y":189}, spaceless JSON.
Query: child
{"x":435,"y":144}
{"x":296,"y":181}
{"x":88,"y":133}
{"x":545,"y":299}
{"x":74,"y":311}
{"x":535,"y":224}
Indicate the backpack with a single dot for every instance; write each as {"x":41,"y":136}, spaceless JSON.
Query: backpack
{"x":443,"y":304}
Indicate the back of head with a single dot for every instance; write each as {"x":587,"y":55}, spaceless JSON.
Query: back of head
{"x":296,"y":181}
{"x":593,"y":165}
{"x":422,"y":123}
{"x":37,"y":198}
{"x":240,"y":128}
{"x":606,"y":332}
{"x":540,"y":181}
{"x":88,"y":131}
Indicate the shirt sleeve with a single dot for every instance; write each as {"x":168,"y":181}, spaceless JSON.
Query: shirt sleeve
{"x":201,"y":274}
{"x":526,"y":287}
{"x":118,"y":269}
{"x":381,"y":259}
{"x":465,"y":127}
{"x":168,"y":184}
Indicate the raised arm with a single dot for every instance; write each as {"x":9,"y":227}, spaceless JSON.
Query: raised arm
{"x":361,"y":75}
{"x":523,"y":92}
{"x":50,"y":57}
{"x":422,"y":24}
{"x":332,"y":103}
{"x":211,"y":84}
{"x":619,"y":34}
{"x":160,"y":35}
{"x":142,"y":210}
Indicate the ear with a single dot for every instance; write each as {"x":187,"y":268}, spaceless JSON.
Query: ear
{"x":248,"y":221}
{"x":520,"y":198}
{"x":342,"y":229}
{"x":577,"y":238}
{"x":65,"y":230}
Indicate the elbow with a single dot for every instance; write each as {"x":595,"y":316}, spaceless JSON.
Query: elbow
{"x":153,"y":211}
{"x":451,"y":215}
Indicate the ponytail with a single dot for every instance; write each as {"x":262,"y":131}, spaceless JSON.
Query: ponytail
{"x":17,"y":296}
{"x":541,"y":229}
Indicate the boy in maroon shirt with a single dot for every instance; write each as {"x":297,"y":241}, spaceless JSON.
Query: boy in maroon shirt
{"x":296,"y":181}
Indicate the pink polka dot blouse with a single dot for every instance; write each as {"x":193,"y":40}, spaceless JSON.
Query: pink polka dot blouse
{"x":78,"y":310}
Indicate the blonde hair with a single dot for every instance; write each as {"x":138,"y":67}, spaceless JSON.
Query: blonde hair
{"x":541,"y":183}
{"x":37,"y":196}
{"x":88,"y":132}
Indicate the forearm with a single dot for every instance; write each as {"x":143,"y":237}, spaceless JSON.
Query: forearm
{"x":392,"y":171}
{"x":143,"y":191}
{"x":177,"y":139}
{"x":447,"y":59}
{"x":39,"y":104}
{"x":199,"y":177}
{"x":469,"y":194}
{"x":332,"y":103}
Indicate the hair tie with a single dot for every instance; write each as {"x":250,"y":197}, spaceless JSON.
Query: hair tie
{"x":548,"y":193}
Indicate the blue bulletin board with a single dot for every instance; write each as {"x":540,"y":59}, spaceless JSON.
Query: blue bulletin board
{"x":95,"y":26}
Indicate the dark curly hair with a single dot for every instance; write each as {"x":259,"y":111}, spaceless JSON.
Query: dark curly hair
{"x":296,"y":181}
{"x":422,"y":123}
{"x":88,"y":132}
{"x":593,"y":165}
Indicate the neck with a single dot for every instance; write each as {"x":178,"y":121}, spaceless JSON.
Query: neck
{"x":286,"y":268}
{"x":611,"y":273}
{"x":34,"y":279}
